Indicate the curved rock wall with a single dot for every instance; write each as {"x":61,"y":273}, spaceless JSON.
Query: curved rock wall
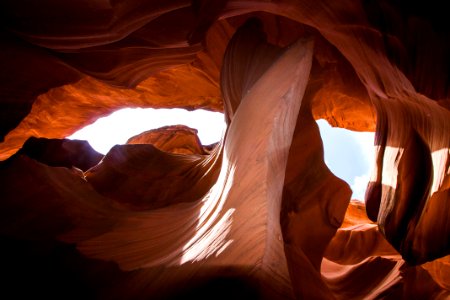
{"x":257,"y":216}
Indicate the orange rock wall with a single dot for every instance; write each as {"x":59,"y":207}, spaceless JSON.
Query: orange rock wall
{"x":257,"y":216}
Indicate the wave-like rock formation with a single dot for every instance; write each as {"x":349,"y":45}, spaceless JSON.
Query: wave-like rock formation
{"x":257,"y":216}
{"x":174,"y":139}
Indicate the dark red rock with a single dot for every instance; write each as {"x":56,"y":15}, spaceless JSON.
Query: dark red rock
{"x":61,"y":153}
{"x":260,"y":216}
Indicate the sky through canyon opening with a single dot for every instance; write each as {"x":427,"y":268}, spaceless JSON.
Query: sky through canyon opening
{"x":348,"y":154}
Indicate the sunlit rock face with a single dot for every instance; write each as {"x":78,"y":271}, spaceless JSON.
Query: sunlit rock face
{"x":257,"y":216}
{"x":174,"y":139}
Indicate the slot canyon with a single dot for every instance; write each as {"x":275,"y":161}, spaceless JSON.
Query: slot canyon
{"x":257,"y":215}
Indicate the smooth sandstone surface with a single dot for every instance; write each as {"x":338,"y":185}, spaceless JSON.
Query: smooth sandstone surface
{"x":257,"y":216}
{"x":174,"y":139}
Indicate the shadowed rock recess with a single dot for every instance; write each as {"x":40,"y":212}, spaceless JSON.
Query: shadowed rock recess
{"x":257,"y":215}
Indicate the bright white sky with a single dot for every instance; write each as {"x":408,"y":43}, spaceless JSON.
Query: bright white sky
{"x":119,"y":126}
{"x":348,"y":154}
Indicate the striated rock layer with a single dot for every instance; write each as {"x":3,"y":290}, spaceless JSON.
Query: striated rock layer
{"x":257,"y":216}
{"x":174,"y":139}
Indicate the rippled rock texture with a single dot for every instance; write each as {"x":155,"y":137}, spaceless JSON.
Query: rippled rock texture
{"x":257,"y":216}
{"x":174,"y":139}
